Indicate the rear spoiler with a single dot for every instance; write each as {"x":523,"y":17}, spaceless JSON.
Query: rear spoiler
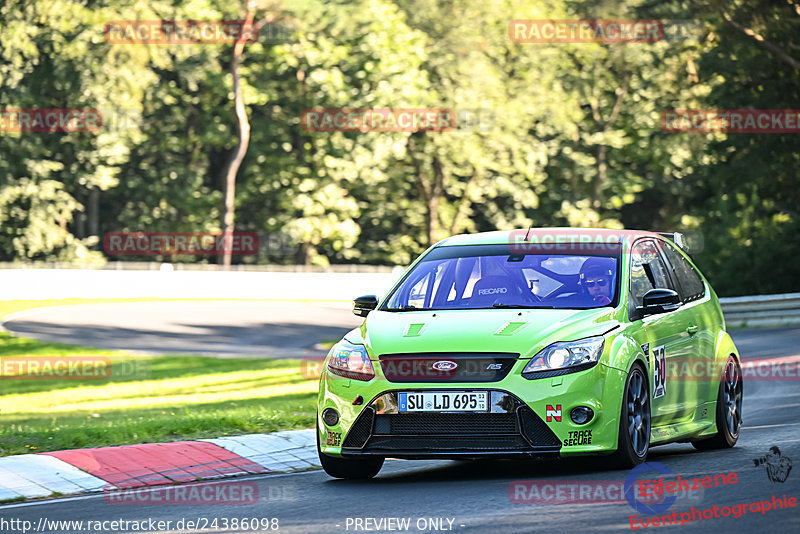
{"x":676,"y":238}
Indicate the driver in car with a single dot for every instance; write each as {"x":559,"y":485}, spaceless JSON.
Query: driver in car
{"x":596,"y":279}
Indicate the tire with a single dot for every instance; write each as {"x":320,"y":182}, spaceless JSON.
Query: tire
{"x":349,"y":468}
{"x":634,"y":423}
{"x":729,"y":409}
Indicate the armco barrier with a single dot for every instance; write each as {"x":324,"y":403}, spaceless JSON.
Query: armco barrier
{"x":37,"y":284}
{"x":162,"y":266}
{"x":762,"y":310}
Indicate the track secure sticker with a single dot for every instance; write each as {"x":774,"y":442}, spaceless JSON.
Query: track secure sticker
{"x":553,"y":413}
{"x":334,"y":439}
{"x":579,"y":437}
{"x":659,"y":372}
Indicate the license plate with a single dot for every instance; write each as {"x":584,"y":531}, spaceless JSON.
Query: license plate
{"x":444,"y":401}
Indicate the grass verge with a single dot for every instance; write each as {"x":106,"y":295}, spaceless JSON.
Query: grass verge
{"x":145,"y":399}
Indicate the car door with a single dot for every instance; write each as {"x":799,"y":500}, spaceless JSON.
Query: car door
{"x":702,"y":324}
{"x":663,"y":336}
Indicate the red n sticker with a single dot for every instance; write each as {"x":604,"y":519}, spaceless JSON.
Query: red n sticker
{"x":553,"y":413}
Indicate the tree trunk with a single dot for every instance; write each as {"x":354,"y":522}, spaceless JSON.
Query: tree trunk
{"x":80,"y":216}
{"x":433,"y":201}
{"x":303,"y":256}
{"x":464,"y":200}
{"x":243,"y":131}
{"x":767,"y":45}
{"x":602,"y":173}
{"x":92,"y":211}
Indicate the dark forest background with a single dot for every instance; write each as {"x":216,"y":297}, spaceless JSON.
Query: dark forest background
{"x":565,"y":135}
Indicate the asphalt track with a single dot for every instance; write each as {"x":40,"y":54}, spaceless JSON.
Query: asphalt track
{"x":475,"y":497}
{"x":265,"y":329}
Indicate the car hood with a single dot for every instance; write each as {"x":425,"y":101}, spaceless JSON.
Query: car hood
{"x":525,"y":332}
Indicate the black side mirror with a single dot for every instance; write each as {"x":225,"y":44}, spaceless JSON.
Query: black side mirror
{"x":659,"y":301}
{"x":365,"y":304}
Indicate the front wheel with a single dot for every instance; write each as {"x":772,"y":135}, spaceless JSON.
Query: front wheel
{"x":634,"y":424}
{"x":729,"y":410}
{"x":353,"y":468}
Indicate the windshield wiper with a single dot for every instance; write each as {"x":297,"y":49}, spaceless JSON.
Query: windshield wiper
{"x":521,"y":306}
{"x":408,"y":308}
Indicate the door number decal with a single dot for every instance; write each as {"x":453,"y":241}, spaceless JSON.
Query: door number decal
{"x":659,"y":372}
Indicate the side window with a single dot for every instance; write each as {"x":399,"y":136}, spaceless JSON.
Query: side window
{"x":692,"y":287}
{"x":647,"y":270}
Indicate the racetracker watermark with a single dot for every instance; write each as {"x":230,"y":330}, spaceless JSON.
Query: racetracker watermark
{"x":215,"y":523}
{"x":730,"y":121}
{"x":180,"y":243}
{"x":71,"y":368}
{"x":311,"y":368}
{"x":55,"y":368}
{"x":553,"y":241}
{"x":378,"y":120}
{"x":121,"y":120}
{"x":67,"y":120}
{"x":397,"y":120}
{"x":169,"y":32}
{"x":44,"y":120}
{"x":694,"y":369}
{"x":572,"y":492}
{"x":277,"y":244}
{"x":217,"y":493}
{"x":647,"y":495}
{"x":604,"y":31}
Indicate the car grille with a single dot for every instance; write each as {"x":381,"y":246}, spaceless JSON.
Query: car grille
{"x":536,"y":430}
{"x":446,"y":423}
{"x":453,"y":444}
{"x":518,"y":429}
{"x":361,"y":430}
{"x":469,"y":366}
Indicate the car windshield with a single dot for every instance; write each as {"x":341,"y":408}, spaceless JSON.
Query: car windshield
{"x":489,"y":276}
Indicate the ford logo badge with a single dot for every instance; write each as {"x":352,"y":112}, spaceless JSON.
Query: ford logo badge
{"x":445,"y":365}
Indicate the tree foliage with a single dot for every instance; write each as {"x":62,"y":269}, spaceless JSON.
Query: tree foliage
{"x":549,"y":134}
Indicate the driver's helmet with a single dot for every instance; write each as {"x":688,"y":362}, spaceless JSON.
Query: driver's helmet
{"x":597,"y":267}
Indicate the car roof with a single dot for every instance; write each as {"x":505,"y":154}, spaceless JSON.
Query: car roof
{"x":544,"y":235}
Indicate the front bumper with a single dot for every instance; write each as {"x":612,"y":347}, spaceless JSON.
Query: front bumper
{"x":515,"y":426}
{"x":511,"y":428}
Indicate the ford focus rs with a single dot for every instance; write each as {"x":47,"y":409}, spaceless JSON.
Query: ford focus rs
{"x":555,"y":342}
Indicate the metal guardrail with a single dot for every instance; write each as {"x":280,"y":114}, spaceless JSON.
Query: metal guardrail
{"x":162,"y":266}
{"x":762,"y":310}
{"x":51,"y":280}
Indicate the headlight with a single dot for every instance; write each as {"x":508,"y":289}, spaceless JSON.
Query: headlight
{"x":350,"y":361}
{"x":568,"y":357}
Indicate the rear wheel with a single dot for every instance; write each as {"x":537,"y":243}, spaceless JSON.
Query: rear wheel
{"x":634,"y":424}
{"x":353,"y":468}
{"x":729,"y":409}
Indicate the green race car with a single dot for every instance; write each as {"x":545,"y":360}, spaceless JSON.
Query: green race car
{"x":546,"y":342}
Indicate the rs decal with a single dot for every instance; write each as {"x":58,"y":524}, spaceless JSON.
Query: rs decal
{"x":553,"y":413}
{"x":659,"y":372}
{"x":646,"y":350}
